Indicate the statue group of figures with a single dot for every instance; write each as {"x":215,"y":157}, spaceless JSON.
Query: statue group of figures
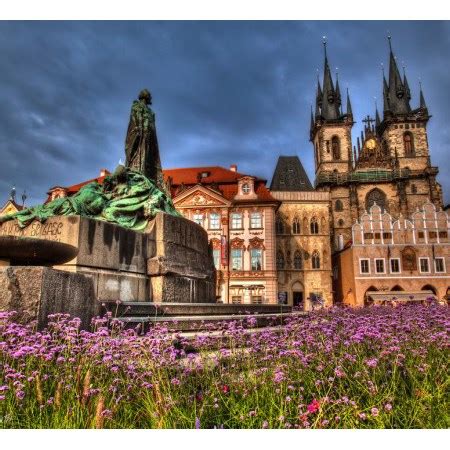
{"x":132,"y":195}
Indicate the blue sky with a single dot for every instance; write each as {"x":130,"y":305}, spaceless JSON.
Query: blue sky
{"x":223,"y":92}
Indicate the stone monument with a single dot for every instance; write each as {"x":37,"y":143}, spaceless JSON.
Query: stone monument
{"x":120,"y":241}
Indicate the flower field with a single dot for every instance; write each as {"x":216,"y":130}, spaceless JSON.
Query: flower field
{"x":372,"y":368}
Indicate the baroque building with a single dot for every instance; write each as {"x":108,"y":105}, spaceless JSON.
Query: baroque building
{"x":303,"y":254}
{"x":238,"y":213}
{"x":388,"y":173}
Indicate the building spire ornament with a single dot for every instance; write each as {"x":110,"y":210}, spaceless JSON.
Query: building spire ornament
{"x":349,"y":105}
{"x":423,"y":104}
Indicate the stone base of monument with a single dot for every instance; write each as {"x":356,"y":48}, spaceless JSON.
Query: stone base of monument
{"x":200,"y":316}
{"x":35,"y":292}
{"x":169,"y":262}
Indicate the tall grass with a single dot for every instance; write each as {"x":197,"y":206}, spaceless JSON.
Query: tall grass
{"x":372,"y":368}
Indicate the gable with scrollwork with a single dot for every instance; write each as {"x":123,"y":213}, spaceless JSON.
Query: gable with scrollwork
{"x":199,"y":196}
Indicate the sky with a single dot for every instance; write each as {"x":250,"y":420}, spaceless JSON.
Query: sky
{"x":223,"y":92}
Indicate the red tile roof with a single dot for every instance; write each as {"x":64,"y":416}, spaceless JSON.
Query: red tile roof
{"x":224,"y":179}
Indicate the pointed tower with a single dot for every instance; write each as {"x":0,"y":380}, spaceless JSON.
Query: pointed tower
{"x":402,"y":128}
{"x":403,"y":136}
{"x":331,"y":131}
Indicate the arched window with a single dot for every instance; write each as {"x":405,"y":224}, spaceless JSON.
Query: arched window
{"x":341,"y":222}
{"x":376,"y":196}
{"x":279,"y":226}
{"x":336,"y":147}
{"x":280,"y":260}
{"x":314,"y":226}
{"x":296,"y":226}
{"x":408,"y":142}
{"x":298,"y":260}
{"x":338,"y":206}
{"x":315,"y":260}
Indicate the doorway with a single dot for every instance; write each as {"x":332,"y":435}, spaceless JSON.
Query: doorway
{"x":297,"y":298}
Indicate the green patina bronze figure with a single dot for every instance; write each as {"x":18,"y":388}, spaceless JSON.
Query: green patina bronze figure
{"x":126,"y":198}
{"x":141,"y":143}
{"x":131,"y":196}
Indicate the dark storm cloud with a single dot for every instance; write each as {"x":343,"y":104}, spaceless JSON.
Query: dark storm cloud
{"x":224,"y":92}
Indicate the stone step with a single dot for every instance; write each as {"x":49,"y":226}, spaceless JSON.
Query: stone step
{"x":198,"y":309}
{"x":208,"y":322}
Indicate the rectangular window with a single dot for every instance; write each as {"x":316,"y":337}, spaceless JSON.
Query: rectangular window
{"x":424,"y":265}
{"x":432,"y":234}
{"x":421,"y":235}
{"x":377,"y":235}
{"x":387,"y":235}
{"x":368,"y":236}
{"x":442,"y":234}
{"x":256,"y":259}
{"x":395,"y":265}
{"x":214,"y":221}
{"x":439,"y":265}
{"x":257,"y":299}
{"x":236,"y":259}
{"x":198,"y":218}
{"x":216,"y":256}
{"x":364,"y":264}
{"x":255,"y":220}
{"x":236,"y":221}
{"x":236,"y":299}
{"x":379,"y":265}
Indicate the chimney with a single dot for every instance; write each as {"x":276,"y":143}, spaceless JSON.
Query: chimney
{"x":104,"y":172}
{"x":233,"y":167}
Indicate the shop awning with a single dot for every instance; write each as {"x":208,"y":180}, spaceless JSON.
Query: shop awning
{"x":402,"y":296}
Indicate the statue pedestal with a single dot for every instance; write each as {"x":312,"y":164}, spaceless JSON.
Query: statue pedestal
{"x":169,"y":262}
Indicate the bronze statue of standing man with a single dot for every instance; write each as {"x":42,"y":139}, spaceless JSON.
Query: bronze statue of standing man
{"x":141,"y":144}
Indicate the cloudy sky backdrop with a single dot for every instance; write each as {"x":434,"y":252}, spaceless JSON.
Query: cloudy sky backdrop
{"x":223,"y":92}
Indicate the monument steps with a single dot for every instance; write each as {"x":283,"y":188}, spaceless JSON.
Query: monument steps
{"x":199,"y":316}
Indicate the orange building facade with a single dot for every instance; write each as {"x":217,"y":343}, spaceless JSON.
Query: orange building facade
{"x":238,"y":213}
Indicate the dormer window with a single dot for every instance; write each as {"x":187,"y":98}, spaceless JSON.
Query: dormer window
{"x":245,"y":188}
{"x":205,"y":174}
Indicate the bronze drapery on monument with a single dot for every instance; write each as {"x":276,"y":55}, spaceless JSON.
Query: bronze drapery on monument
{"x":141,"y":143}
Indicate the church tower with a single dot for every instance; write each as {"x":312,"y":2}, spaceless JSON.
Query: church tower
{"x":403,"y":135}
{"x":390,"y":163}
{"x":330,"y":130}
{"x":330,"y":134}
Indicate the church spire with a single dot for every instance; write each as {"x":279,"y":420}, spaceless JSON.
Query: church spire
{"x":330,"y":103}
{"x":312,"y":119}
{"x":423,"y":105}
{"x":377,"y":116}
{"x":398,"y":93}
{"x":338,"y":91}
{"x":349,"y":105}
{"x":406,"y":85}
